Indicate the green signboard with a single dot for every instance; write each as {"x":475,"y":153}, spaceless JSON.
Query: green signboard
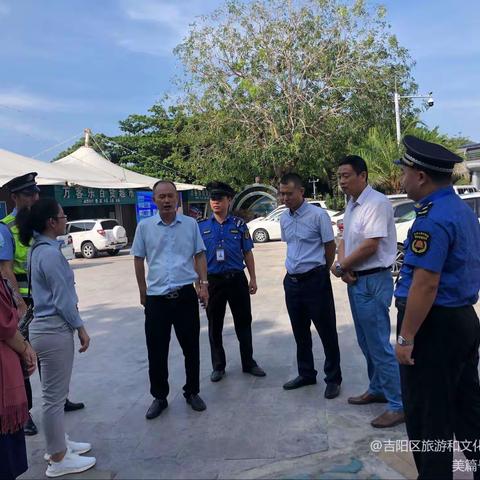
{"x":76,"y":196}
{"x":197,"y":195}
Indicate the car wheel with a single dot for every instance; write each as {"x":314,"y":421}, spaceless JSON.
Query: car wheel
{"x":397,"y":265}
{"x":260,"y":236}
{"x":89,"y":250}
{"x":113,"y":252}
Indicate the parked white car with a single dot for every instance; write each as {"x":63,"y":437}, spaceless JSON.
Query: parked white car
{"x":66,"y":244}
{"x":267,"y":228}
{"x":97,"y":235}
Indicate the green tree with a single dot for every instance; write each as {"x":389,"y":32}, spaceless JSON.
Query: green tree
{"x":379,"y":149}
{"x":276,"y":85}
{"x":150,"y":144}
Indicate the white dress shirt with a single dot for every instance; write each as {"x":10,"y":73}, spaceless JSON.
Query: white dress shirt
{"x":370,"y":216}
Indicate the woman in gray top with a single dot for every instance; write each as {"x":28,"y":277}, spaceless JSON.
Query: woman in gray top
{"x":56,"y":318}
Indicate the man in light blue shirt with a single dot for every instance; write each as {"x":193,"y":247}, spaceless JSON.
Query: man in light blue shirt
{"x":307,"y":229}
{"x":175,"y":253}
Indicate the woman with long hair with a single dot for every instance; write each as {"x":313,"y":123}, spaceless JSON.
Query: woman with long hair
{"x":56,"y":318}
{"x":13,"y":398}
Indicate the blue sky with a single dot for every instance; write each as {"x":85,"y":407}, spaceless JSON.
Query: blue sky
{"x":71,"y":64}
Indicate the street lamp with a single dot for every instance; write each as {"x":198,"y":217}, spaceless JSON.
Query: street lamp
{"x":396,"y":100}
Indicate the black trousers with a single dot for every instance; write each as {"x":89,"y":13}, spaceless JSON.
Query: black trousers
{"x":231,"y":288}
{"x":310,"y":299}
{"x":441,"y":392}
{"x":160,"y":314}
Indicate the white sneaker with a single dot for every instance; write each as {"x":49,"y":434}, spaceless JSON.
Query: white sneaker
{"x":73,"y":447}
{"x":71,"y":463}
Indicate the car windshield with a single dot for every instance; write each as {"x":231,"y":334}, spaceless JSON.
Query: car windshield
{"x":407,"y":217}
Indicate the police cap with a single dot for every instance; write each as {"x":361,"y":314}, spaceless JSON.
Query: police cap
{"x":427,"y":156}
{"x":23,"y":184}
{"x":217,"y":190}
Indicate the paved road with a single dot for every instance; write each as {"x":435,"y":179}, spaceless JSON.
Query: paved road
{"x":252,"y":428}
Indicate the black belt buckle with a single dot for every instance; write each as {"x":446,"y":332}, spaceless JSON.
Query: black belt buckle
{"x":172,"y":295}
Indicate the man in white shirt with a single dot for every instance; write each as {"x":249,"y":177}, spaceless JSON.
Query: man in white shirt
{"x":365,"y":256}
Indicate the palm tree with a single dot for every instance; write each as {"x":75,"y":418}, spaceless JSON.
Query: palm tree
{"x":379,"y":149}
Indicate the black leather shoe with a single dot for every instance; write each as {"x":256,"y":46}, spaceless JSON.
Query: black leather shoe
{"x":72,"y":406}
{"x":156,"y":408}
{"x":30,"y":428}
{"x":196,"y":403}
{"x":299,"y":382}
{"x":256,"y":371}
{"x":332,"y":390}
{"x":217,"y":375}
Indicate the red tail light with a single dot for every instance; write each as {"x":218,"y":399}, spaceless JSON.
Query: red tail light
{"x":101,"y":232}
{"x":340,"y":225}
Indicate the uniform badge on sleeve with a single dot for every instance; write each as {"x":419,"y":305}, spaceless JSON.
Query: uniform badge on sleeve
{"x":246,"y":235}
{"x":420,"y":242}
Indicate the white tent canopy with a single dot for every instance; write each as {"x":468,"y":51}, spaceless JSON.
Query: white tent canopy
{"x":82,"y":167}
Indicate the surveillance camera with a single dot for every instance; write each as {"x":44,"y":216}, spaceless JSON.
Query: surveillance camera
{"x":430,"y":102}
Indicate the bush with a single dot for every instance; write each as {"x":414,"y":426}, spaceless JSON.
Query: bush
{"x":335,"y":202}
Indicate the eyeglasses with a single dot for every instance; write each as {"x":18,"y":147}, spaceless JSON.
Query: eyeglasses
{"x":58,"y":217}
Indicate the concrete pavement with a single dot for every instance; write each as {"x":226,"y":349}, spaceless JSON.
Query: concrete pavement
{"x":252,"y":428}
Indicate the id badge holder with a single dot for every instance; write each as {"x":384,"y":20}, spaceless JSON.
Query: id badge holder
{"x":220,"y":254}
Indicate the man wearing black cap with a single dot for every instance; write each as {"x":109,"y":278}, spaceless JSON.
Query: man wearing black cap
{"x":13,"y":262}
{"x":438,"y":329}
{"x":229,"y":249}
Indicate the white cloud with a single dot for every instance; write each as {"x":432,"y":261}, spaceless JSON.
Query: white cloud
{"x":156,"y":11}
{"x":15,"y":99}
{"x":10,"y":124}
{"x":155,"y":27}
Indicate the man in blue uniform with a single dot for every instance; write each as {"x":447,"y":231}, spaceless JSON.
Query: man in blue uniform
{"x":229,"y":249}
{"x":438,"y":329}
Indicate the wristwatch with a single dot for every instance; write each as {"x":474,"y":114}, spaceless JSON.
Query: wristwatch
{"x":339,"y":269}
{"x":403,"y":342}
{"x":203,"y":282}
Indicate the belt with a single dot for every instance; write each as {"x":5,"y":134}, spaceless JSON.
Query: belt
{"x":302,"y":276}
{"x":225,"y":275}
{"x":174,"y":293}
{"x":371,"y":271}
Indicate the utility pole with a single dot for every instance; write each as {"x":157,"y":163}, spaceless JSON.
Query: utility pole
{"x":314,"y":182}
{"x":396,"y":101}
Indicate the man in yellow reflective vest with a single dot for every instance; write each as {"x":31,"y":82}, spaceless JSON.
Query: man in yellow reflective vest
{"x":13,"y":263}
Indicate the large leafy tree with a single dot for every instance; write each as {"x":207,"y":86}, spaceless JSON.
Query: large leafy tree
{"x":151,"y":144}
{"x":275,"y":85}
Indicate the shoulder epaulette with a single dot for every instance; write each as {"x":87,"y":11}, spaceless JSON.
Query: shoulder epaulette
{"x":239,"y":221}
{"x":425,"y":209}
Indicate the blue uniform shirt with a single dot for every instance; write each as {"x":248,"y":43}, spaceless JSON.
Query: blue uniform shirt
{"x":445,"y":238}
{"x":306,"y":231}
{"x":231,"y":236}
{"x":7,"y":243}
{"x":169,"y":250}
